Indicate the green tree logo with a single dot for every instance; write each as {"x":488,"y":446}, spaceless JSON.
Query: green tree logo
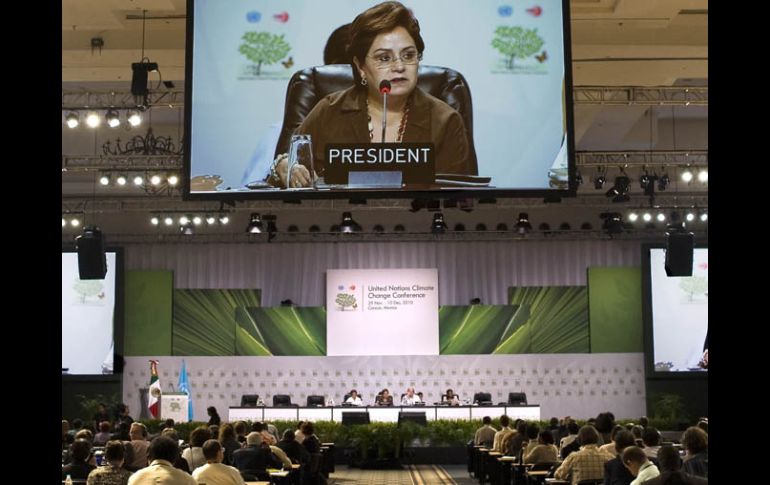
{"x":345,"y":300}
{"x":263,"y":48}
{"x":515,"y":42}
{"x":86,"y":288}
{"x":694,"y":285}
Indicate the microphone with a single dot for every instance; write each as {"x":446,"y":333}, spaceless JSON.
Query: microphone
{"x":384,"y":89}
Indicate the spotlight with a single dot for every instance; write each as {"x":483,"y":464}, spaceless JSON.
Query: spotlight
{"x":104,"y":180}
{"x":63,"y":222}
{"x":399,"y":228}
{"x":647,"y":183}
{"x":578,"y":178}
{"x":438,"y":226}
{"x":378,"y":229}
{"x":255,"y":224}
{"x":502,"y":227}
{"x":522,"y":225}
{"x":619,"y":191}
{"x":704,"y":216}
{"x":599,"y":178}
{"x":134,"y":118}
{"x":168,"y":220}
{"x":187,"y":229}
{"x":314,"y":228}
{"x":703,"y":175}
{"x":459,"y":227}
{"x":646,"y":217}
{"x":121,"y":180}
{"x":292,"y":228}
{"x":564,"y":226}
{"x":93,"y":120}
{"x":155,"y":180}
{"x":348,"y":225}
{"x":210,"y":219}
{"x":154,"y":220}
{"x":173,"y":180}
{"x":481,"y":226}
{"x":544,"y":226}
{"x":184,"y":220}
{"x":661,"y":217}
{"x":113,"y":118}
{"x":687,"y":175}
{"x":690,"y":216}
{"x":287,"y":302}
{"x":197,"y":220}
{"x":586,"y":226}
{"x":73,"y":120}
{"x":613,"y":222}
{"x":224,"y":219}
{"x":633,"y":216}
{"x":475,"y":301}
{"x":663,"y":181}
{"x":75,"y":222}
{"x":138,"y":180}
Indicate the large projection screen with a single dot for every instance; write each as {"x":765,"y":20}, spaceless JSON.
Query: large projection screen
{"x":242,"y":53}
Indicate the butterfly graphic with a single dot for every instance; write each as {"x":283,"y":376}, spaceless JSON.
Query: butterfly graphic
{"x":542,"y":57}
{"x":288,"y":62}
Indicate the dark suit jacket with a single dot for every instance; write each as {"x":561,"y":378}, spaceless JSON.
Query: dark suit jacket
{"x":295,"y":451}
{"x":341,"y":117}
{"x":686,"y":479}
{"x":616,"y":473}
{"x":253,"y":458}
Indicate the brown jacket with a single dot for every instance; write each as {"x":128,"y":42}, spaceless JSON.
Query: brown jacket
{"x":341,"y":117}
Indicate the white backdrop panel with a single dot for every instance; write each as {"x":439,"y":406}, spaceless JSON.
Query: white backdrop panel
{"x":578,"y":385}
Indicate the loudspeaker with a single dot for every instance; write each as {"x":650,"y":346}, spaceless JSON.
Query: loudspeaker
{"x":92,"y":262}
{"x":139,"y":79}
{"x":679,"y":251}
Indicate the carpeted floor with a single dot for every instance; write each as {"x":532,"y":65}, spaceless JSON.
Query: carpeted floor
{"x":410,"y":475}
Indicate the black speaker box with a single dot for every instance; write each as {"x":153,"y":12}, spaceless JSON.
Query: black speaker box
{"x":92,"y":262}
{"x":679,"y":252}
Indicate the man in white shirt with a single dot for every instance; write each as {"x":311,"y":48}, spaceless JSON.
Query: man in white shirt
{"x":214,"y":472}
{"x":162,"y":452}
{"x":637,"y":463}
{"x":354,"y":399}
{"x":410,"y":398}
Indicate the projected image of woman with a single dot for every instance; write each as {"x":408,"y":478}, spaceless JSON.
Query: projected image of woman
{"x":385,"y":45}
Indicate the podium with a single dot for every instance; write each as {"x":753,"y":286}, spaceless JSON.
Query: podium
{"x":174,"y":405}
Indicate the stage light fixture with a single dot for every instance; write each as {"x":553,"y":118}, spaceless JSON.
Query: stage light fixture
{"x":399,"y":228}
{"x":663,"y":181}
{"x":168,"y":220}
{"x":586,"y":226}
{"x":197,"y":220}
{"x":224,"y":219}
{"x":187,"y":229}
{"x":704,"y":216}
{"x":686,"y":175}
{"x":63,"y":222}
{"x":73,"y":120}
{"x":613,"y":222}
{"x":578,"y":178}
{"x":522,"y":225}
{"x":104,"y":180}
{"x":633,"y":217}
{"x":292,"y":228}
{"x":183,"y":220}
{"x":599,"y":178}
{"x":134,"y":118}
{"x":690,"y":216}
{"x":619,"y":191}
{"x":113,"y":118}
{"x":564,"y":226}
{"x":314,"y":228}
{"x":661,"y":217}
{"x":93,"y":120}
{"x":75,"y":222}
{"x":481,"y":226}
{"x":210,"y":220}
{"x":121,"y":180}
{"x":155,"y":180}
{"x":154,"y":220}
{"x":438,"y":226}
{"x":459,"y":227}
{"x":544,"y":226}
{"x":378,"y":229}
{"x":138,"y":180}
{"x":173,"y":180}
{"x":255,"y":224}
{"x":348,"y":225}
{"x":703,"y":175}
{"x":501,"y":227}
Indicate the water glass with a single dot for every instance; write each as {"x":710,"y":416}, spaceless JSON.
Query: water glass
{"x":300,"y":153}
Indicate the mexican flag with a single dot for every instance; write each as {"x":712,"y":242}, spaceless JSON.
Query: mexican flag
{"x":154,"y":396}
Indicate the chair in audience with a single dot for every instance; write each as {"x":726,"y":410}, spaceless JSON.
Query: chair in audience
{"x":315,"y":401}
{"x":249,"y":400}
{"x":312,"y":471}
{"x":517,"y":399}
{"x":281,"y":400}
{"x":483,"y":398}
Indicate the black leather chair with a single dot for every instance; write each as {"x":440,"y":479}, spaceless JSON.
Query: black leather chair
{"x":315,"y":401}
{"x":517,"y":399}
{"x":281,"y":400}
{"x":308,"y":86}
{"x":249,"y":400}
{"x":483,"y":398}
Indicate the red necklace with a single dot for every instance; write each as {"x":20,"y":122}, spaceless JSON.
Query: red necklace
{"x":401,"y":126}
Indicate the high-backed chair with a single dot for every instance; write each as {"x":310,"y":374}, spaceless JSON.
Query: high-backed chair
{"x":315,"y":401}
{"x":517,"y":399}
{"x":483,"y":398}
{"x":249,"y":400}
{"x":281,"y":400}
{"x":308,"y":86}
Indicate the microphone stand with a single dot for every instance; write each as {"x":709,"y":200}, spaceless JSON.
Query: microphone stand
{"x":384,"y":113}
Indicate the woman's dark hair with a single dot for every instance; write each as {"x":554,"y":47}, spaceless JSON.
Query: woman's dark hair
{"x":377,"y":20}
{"x":308,"y":428}
{"x":199,"y":435}
{"x":212,"y":411}
{"x":546,"y":437}
{"x":695,"y":440}
{"x":226,"y":432}
{"x":336,"y":50}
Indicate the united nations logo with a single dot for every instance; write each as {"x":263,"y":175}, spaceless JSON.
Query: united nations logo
{"x":155,"y":391}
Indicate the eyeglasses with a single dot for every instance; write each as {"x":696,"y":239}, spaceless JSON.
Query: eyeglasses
{"x":385,"y":61}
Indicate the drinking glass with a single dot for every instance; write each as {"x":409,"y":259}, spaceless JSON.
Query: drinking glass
{"x":300,"y":153}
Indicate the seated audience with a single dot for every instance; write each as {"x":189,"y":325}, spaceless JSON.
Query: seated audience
{"x":485,"y":436}
{"x":214,"y":472}
{"x":696,"y":444}
{"x":670,"y":472}
{"x":111,"y":472}
{"x":639,"y":465}
{"x":162,"y":452}
{"x":586,"y":463}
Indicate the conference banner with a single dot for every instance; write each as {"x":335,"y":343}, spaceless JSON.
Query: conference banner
{"x":382,"y":312}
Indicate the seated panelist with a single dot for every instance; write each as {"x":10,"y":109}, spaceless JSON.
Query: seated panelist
{"x":384,"y":398}
{"x":354,"y":399}
{"x":410,"y":398}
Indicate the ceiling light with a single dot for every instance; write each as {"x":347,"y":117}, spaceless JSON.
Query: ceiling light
{"x":173,"y":180}
{"x":619,"y":191}
{"x":184,"y":220}
{"x":121,"y":180}
{"x":687,"y":175}
{"x":73,"y":120}
{"x":104,"y":180}
{"x":646,"y":217}
{"x":168,"y":220}
{"x":661,"y":217}
{"x":134,"y":118}
{"x":113,"y":118}
{"x":210,"y":219}
{"x":93,"y":120}
{"x":613,"y":222}
{"x":348,"y":225}
{"x":633,"y":216}
{"x":255,"y":224}
{"x":197,"y":220}
{"x":187,"y":229}
{"x":154,"y":220}
{"x":224,"y":219}
{"x":155,"y":180}
{"x":522,"y":225}
{"x":138,"y":180}
{"x":704,"y":216}
{"x":75,"y":222}
{"x":690,"y":216}
{"x":438,"y":226}
{"x":703,"y":175}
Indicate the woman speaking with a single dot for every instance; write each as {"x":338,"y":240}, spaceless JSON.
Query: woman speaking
{"x":386,"y":48}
